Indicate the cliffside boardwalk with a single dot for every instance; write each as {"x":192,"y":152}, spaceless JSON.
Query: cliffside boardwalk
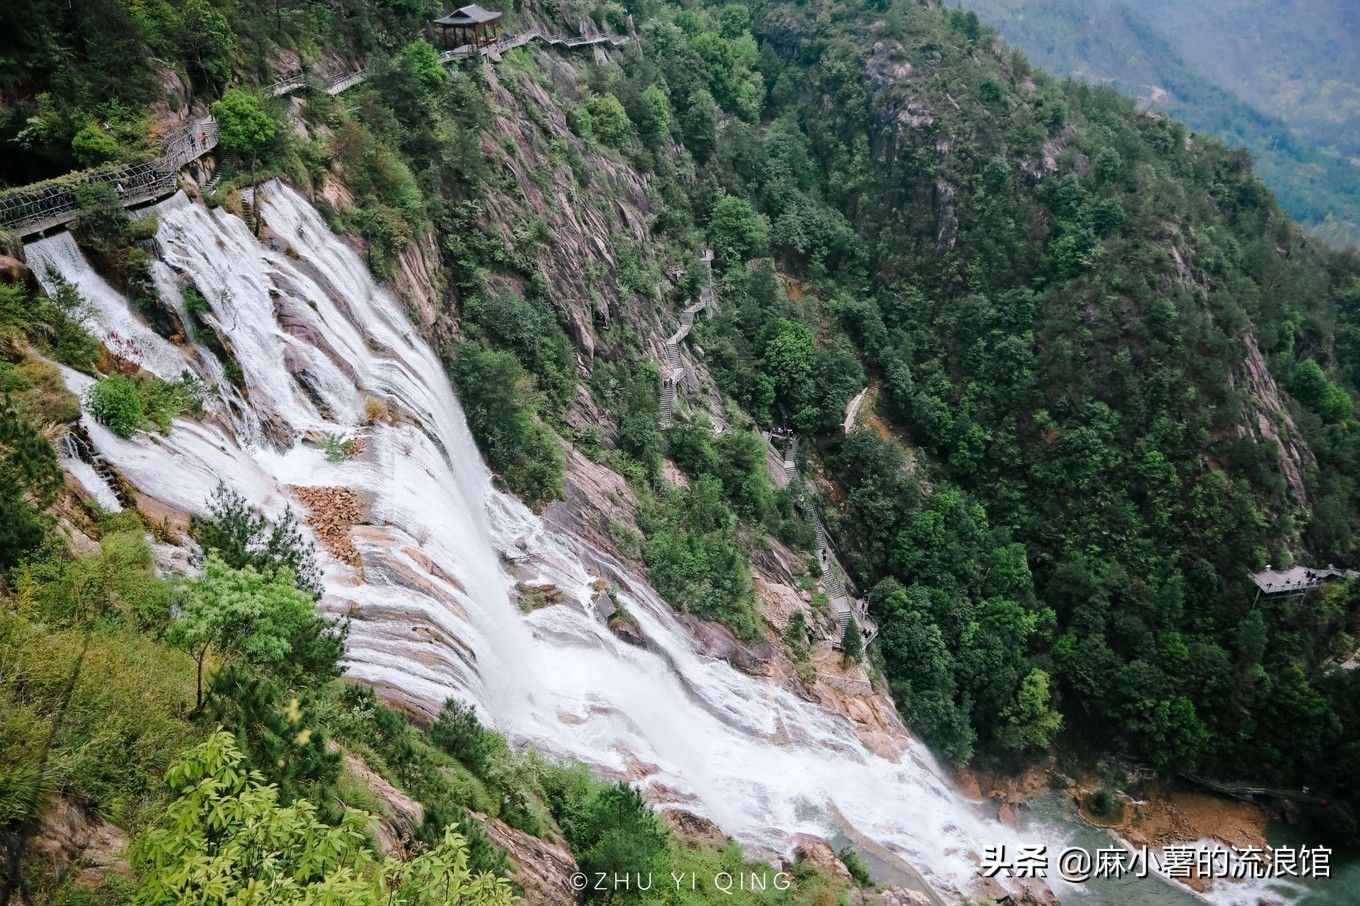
{"x":29,"y":210}
{"x":840,"y":592}
{"x":673,"y":370}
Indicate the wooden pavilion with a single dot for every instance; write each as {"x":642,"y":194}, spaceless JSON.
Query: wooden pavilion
{"x":470,"y":24}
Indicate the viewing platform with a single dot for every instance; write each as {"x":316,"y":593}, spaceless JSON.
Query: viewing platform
{"x":1296,"y":581}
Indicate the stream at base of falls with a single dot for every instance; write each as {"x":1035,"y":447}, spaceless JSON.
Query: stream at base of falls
{"x":432,"y":616}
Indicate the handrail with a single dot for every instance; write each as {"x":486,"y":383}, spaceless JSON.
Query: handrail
{"x":840,"y":591}
{"x":43,"y":205}
{"x":40,"y":206}
{"x":674,"y":370}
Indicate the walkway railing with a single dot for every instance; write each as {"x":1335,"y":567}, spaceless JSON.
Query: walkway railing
{"x":45,"y":205}
{"x":673,"y":371}
{"x":510,"y":41}
{"x":840,"y":592}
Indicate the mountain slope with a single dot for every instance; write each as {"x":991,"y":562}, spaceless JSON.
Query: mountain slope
{"x":1276,"y":81}
{"x":1110,"y":377}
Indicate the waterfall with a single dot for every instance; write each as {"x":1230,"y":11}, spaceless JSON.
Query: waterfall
{"x":431,"y":608}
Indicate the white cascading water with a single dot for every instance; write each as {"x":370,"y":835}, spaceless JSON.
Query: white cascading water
{"x":432,"y":614}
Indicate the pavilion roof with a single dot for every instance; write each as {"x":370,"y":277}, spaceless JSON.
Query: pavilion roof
{"x":469,"y":15}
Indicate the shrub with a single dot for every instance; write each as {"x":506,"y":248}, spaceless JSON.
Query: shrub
{"x":165,"y":401}
{"x":117,"y":730}
{"x":655,"y":121}
{"x":245,"y":129}
{"x":495,"y":393}
{"x":1104,"y":805}
{"x":29,"y":482}
{"x":631,"y":392}
{"x":855,"y":865}
{"x":93,"y":146}
{"x":695,"y":558}
{"x":279,"y":733}
{"x":852,"y":642}
{"x":227,"y":835}
{"x":338,"y":449}
{"x":115,"y":403}
{"x":738,"y":232}
{"x":263,"y":620}
{"x":611,"y":829}
{"x":103,"y":226}
{"x":53,"y":323}
{"x":581,"y":122}
{"x":117,"y":585}
{"x":531,"y":331}
{"x":125,"y":405}
{"x":609,"y":120}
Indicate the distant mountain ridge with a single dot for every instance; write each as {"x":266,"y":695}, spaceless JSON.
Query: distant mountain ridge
{"x":1281,"y":80}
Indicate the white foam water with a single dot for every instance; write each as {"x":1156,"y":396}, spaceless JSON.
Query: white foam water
{"x":431,"y":607}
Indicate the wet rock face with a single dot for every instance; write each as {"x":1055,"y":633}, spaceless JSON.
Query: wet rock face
{"x":717,"y":641}
{"x":623,"y":625}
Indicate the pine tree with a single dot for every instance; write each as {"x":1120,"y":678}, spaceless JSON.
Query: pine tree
{"x":852,"y":643}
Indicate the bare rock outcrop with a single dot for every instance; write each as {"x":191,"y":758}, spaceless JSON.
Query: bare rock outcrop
{"x":1270,"y":421}
{"x":70,"y":837}
{"x":694,"y":828}
{"x":816,"y":852}
{"x":399,"y":816}
{"x":596,"y":504}
{"x":542,"y":868}
{"x":12,"y":270}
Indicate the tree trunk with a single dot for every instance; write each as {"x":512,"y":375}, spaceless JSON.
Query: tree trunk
{"x":198,"y":696}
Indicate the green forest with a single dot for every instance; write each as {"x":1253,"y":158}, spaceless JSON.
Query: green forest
{"x":1277,"y":79}
{"x":1056,"y":298}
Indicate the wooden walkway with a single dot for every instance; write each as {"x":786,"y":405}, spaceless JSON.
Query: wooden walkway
{"x":41,"y":207}
{"x":673,"y":370}
{"x":37,"y":208}
{"x":840,"y":592}
{"x":845,"y":605}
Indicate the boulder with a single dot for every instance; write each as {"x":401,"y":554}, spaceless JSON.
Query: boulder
{"x":12,"y":270}
{"x":818,"y":853}
{"x":625,"y":626}
{"x":68,"y":834}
